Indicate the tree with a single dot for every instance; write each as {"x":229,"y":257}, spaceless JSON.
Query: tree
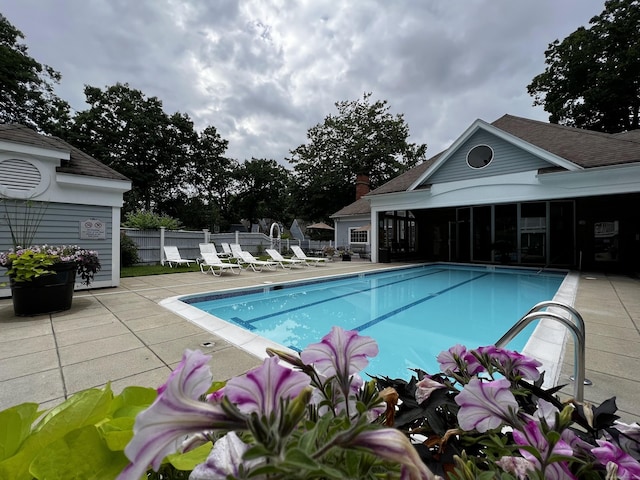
{"x":363,"y":138}
{"x":213,"y":178}
{"x":592,"y":78}
{"x":132,"y":134}
{"x":26,"y":86}
{"x":263,"y":187}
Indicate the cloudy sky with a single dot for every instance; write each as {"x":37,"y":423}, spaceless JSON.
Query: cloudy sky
{"x":264,"y":71}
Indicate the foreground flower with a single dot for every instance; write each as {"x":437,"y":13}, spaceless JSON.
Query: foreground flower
{"x":174,"y":415}
{"x":425,"y":387}
{"x":607,"y":453}
{"x":486,"y":405}
{"x":511,"y":364}
{"x":458,"y":360}
{"x":340,"y":352}
{"x":393,"y":445}
{"x":531,"y":435}
{"x":225,"y":459}
{"x":261,"y":389}
{"x":517,"y":466}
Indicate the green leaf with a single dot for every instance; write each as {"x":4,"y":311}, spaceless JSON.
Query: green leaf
{"x":298,"y":458}
{"x":15,"y":426}
{"x":256,"y":451}
{"x":81,"y":454}
{"x":89,"y":407}
{"x":188,"y":461}
{"x":132,"y":400}
{"x":117,"y":433}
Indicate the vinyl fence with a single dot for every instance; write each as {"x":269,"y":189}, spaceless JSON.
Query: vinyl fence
{"x":150,"y":242}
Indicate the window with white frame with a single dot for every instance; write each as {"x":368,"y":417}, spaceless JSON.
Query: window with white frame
{"x":358,"y":235}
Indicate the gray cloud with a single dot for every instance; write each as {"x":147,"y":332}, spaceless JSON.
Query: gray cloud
{"x":264,"y":72}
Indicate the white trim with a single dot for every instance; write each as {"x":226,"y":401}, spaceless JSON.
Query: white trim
{"x":86,"y":181}
{"x":115,"y":246}
{"x":517,"y":142}
{"x":25,"y":149}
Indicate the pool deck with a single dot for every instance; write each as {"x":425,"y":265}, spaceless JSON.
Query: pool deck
{"x":125,"y":336}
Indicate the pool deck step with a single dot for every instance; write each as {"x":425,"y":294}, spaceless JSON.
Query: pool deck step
{"x":124,"y":336}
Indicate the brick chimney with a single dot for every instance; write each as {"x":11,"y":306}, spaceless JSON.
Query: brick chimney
{"x":362,"y":185}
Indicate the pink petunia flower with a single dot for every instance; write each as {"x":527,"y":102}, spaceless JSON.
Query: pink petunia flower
{"x":175,"y":414}
{"x":608,"y":453}
{"x":425,"y":387}
{"x":485,"y":405}
{"x":531,"y":435}
{"x":340,"y":352}
{"x":260,"y":389}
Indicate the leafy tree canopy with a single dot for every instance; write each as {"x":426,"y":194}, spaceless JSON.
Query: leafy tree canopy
{"x":162,"y":154}
{"x":263,"y":190}
{"x":363,"y":138}
{"x":592,"y":78}
{"x":27,"y":86}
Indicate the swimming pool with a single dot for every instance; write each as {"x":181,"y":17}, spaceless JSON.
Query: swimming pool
{"x":413,"y":313}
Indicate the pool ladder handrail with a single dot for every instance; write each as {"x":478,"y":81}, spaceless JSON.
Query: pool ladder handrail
{"x":574,"y":323}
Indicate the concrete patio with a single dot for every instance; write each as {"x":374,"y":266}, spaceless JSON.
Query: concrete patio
{"x":124,"y":336}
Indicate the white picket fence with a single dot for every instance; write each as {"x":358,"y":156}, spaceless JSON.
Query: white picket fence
{"x":150,"y":242}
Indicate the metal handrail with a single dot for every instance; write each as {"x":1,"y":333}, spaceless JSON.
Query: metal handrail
{"x":575,"y":324}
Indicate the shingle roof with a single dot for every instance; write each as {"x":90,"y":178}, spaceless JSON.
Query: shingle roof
{"x":583,"y":147}
{"x":79,"y":164}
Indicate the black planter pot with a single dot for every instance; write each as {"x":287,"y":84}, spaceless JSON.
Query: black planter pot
{"x":48,"y":293}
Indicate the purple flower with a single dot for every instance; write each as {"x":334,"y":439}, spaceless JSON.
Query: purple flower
{"x":174,"y":415}
{"x":260,"y":389}
{"x":458,"y":359}
{"x":629,"y":441}
{"x":516,"y":465}
{"x":510,"y":363}
{"x":531,"y":435}
{"x":485,"y":405}
{"x":426,"y":387}
{"x":340,"y":352}
{"x":224,"y":460}
{"x":628,"y":467}
{"x":393,"y":445}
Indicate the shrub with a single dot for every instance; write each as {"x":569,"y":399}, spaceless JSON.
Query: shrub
{"x":146,"y":220}
{"x":128,"y":251}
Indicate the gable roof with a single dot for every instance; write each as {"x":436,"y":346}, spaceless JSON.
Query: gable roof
{"x":583,"y":148}
{"x":79,"y":163}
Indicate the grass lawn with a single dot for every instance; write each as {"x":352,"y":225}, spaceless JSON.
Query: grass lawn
{"x":143,"y":270}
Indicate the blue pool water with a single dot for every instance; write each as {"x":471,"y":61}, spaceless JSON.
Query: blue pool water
{"x":413,"y":313}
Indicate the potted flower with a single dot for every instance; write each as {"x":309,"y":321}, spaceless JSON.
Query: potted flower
{"x":47,"y":273}
{"x":328,"y":252}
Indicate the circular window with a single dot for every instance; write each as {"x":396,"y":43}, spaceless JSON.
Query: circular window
{"x":480,"y":156}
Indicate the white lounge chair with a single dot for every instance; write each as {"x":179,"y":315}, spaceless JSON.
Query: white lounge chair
{"x":213,"y":264}
{"x":283,"y":262}
{"x":299,"y":254}
{"x":210,"y":248}
{"x":227,"y":249}
{"x":172,"y":255}
{"x":236,"y":251}
{"x":255,"y":264}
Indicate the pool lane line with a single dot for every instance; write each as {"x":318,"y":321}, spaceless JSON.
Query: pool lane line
{"x":413,"y":304}
{"x":248,"y":323}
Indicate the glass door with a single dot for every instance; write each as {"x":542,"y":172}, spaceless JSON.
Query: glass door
{"x":533,"y":233}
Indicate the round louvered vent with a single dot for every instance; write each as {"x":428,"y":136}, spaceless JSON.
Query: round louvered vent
{"x":19,"y":178}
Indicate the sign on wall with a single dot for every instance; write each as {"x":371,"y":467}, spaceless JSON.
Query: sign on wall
{"x":92,"y":229}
